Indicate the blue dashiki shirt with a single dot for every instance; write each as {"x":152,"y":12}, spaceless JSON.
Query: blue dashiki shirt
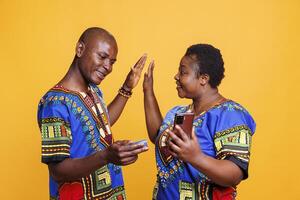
{"x":223,"y":132}
{"x":73,"y":127}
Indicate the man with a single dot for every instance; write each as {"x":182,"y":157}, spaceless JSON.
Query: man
{"x":77,"y":143}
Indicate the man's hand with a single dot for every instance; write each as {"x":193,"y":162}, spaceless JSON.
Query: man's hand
{"x":134,"y":75}
{"x":124,"y":152}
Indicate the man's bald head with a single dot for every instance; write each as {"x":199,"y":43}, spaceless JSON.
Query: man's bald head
{"x":96,"y":52}
{"x":96,"y":32}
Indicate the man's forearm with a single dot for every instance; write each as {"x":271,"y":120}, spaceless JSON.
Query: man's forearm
{"x":74,"y":169}
{"x":116,"y":107}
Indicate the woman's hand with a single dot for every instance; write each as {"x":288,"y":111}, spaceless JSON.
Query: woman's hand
{"x":148,"y":78}
{"x":185,"y":148}
{"x":152,"y":112}
{"x":221,"y":172}
{"x":134,"y":75}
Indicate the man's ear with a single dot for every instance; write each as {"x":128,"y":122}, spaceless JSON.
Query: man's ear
{"x":80,"y":47}
{"x":204,"y":79}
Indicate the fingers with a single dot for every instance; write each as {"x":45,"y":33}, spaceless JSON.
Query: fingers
{"x":128,"y":149}
{"x":181,"y":133}
{"x":193,"y":135}
{"x":129,"y":160}
{"x":150,"y":69}
{"x":132,"y":153}
{"x":131,"y":147}
{"x":141,"y":62}
{"x":176,"y":139}
{"x":146,"y":75}
{"x":141,"y":58}
{"x":173,"y":147}
{"x":121,"y":142}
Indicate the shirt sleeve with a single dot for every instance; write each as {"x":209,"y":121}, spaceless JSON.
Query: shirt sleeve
{"x":55,"y":131}
{"x":233,"y":138}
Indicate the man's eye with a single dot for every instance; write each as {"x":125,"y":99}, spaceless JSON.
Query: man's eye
{"x":101,"y":56}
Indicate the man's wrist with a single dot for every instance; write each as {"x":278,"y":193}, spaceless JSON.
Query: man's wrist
{"x":125,"y":92}
{"x":126,"y":88}
{"x":104,"y":156}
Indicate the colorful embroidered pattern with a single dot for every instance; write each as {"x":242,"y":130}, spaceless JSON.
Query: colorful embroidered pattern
{"x":77,"y":125}
{"x":94,"y":104}
{"x":223,"y":132}
{"x":56,"y":139}
{"x":234,"y":141}
{"x":98,"y":186}
{"x":187,"y":191}
{"x":171,"y":166}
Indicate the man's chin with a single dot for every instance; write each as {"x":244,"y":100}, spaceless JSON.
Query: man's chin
{"x":96,"y":82}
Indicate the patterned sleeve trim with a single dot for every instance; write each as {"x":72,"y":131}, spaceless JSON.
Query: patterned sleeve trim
{"x":234,"y":144}
{"x":56,"y":139}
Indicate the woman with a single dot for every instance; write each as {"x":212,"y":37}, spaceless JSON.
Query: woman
{"x":214,"y":159}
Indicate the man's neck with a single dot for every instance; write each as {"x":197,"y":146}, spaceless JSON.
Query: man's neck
{"x":74,"y":80}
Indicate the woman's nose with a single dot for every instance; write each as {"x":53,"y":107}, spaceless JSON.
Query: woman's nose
{"x":176,"y":77}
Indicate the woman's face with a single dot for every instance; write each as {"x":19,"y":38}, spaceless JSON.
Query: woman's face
{"x":187,"y":81}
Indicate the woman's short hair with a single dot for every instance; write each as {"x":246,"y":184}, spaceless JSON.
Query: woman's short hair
{"x":209,"y":61}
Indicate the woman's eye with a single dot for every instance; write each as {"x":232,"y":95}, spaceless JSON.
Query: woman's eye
{"x":182,"y":72}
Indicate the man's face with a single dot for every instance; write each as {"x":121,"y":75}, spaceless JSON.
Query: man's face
{"x":97,"y":59}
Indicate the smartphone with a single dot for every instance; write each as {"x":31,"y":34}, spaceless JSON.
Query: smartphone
{"x":143,"y":142}
{"x":185,"y":121}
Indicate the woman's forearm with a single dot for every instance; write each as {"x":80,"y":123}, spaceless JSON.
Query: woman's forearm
{"x":221,"y":172}
{"x":152,"y":114}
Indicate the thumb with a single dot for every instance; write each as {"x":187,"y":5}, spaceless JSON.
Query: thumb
{"x":193,"y":135}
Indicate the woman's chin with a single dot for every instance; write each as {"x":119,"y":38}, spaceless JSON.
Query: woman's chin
{"x":180,"y":95}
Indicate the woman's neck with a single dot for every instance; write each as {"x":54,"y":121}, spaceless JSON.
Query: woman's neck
{"x":207,"y":101}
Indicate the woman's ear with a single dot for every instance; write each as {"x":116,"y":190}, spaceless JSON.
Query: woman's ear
{"x":204,"y":78}
{"x":80,"y":47}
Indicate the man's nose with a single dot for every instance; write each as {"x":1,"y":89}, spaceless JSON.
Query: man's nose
{"x":108,"y":65}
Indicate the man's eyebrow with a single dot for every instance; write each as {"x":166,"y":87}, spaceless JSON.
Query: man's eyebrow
{"x":102,"y":52}
{"x":107,"y":55}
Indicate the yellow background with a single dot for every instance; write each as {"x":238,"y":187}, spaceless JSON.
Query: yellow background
{"x":259,"y":41}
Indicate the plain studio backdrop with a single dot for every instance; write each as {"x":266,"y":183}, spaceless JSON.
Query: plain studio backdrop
{"x":259,"y":41}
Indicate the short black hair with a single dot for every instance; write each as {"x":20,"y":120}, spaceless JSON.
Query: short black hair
{"x":209,"y":61}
